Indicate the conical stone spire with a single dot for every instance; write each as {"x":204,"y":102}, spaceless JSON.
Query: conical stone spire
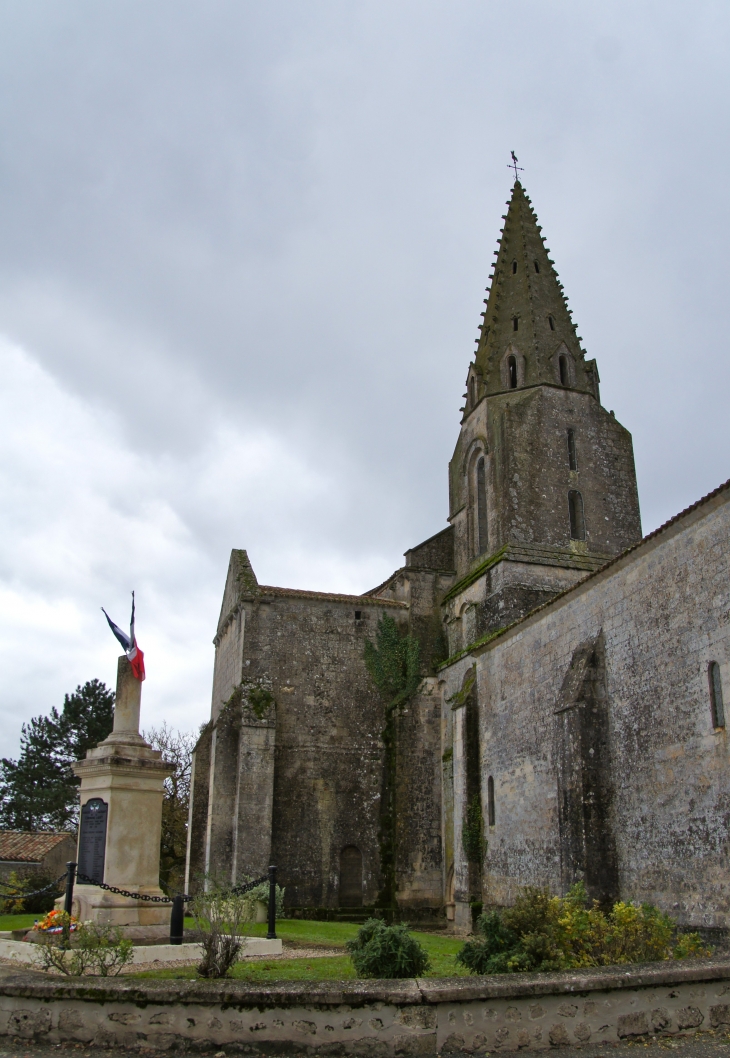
{"x":528,"y":337}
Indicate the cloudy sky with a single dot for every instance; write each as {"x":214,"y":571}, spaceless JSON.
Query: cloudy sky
{"x":243,"y":248}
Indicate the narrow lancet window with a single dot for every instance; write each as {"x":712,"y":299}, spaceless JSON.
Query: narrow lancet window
{"x":473,"y":390}
{"x":563,"y":366}
{"x":537,"y":267}
{"x":490,"y":801}
{"x":716,"y":703}
{"x":512,"y":368}
{"x":551,"y":321}
{"x":577,"y":518}
{"x":515,"y":323}
{"x":482,"y":542}
{"x":572,"y":460}
{"x":514,"y":268}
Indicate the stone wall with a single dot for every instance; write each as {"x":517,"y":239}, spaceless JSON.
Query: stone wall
{"x":296,"y":778}
{"x":377,"y":1019}
{"x":595,"y":725}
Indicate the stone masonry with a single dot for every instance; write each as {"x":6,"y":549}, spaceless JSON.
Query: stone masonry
{"x":572,"y":674}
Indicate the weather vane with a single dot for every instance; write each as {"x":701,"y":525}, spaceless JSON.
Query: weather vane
{"x":513,"y":165}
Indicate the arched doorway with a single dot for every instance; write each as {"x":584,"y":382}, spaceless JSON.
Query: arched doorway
{"x":351,"y":877}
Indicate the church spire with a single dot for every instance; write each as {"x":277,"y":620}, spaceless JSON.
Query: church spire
{"x":528,"y":337}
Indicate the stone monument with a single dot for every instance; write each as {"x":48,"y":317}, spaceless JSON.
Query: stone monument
{"x":122,"y":786}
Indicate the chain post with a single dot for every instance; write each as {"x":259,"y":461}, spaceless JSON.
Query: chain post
{"x":177,"y":920}
{"x":271,"y":935}
{"x":69,"y":900}
{"x":70,"y":878}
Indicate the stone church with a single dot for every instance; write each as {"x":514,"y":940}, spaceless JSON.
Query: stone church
{"x":569,"y":723}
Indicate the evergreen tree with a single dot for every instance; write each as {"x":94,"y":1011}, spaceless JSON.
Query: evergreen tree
{"x":39,"y":791}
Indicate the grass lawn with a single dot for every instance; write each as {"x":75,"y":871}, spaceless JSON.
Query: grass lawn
{"x":441,"y":949}
{"x":18,"y":921}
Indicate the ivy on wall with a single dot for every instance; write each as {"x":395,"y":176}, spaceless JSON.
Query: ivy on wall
{"x":393,"y":663}
{"x":257,"y":697}
{"x":472,"y":831}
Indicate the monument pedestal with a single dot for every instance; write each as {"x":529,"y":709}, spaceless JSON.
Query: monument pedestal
{"x":122,"y":786}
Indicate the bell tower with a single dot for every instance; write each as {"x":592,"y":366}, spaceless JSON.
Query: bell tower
{"x":542,"y":484}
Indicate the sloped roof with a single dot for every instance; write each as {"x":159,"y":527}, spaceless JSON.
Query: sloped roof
{"x":24,"y":846}
{"x":268,"y":589}
{"x":526,"y":307}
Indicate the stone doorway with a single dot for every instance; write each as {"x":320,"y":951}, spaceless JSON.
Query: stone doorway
{"x":351,"y":877}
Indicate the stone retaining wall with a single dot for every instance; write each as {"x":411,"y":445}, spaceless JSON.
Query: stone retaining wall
{"x":375,"y":1019}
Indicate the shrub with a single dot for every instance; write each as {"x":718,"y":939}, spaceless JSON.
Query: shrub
{"x":544,"y":933}
{"x":12,"y":896}
{"x":386,"y":951}
{"x":43,"y":902}
{"x":261,"y":892}
{"x":221,"y":916}
{"x":96,"y":949}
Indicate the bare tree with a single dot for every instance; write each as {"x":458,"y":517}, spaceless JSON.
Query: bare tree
{"x":177,"y":749}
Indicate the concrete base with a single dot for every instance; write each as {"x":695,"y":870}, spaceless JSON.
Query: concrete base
{"x":27,"y":954}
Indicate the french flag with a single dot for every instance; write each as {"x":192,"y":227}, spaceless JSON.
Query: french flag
{"x":129,"y":644}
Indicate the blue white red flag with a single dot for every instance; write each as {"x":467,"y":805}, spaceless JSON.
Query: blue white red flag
{"x":129,"y":644}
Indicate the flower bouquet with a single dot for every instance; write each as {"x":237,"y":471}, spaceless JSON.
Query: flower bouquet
{"x":55,"y":922}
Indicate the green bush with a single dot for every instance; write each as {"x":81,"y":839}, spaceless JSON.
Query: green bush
{"x":95,"y":949}
{"x":14,"y":902}
{"x":386,"y":951}
{"x":261,"y":893}
{"x":544,"y":933}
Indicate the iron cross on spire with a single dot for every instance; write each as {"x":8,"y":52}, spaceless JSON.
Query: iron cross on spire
{"x":513,"y":165}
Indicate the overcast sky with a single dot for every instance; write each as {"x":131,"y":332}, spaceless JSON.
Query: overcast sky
{"x":243,"y":249}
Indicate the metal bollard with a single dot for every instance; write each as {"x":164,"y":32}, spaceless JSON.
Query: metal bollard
{"x":177,"y":920}
{"x":68,"y":903}
{"x":271,"y":935}
{"x":70,"y":878}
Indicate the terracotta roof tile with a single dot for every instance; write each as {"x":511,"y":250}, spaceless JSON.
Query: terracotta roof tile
{"x":24,"y":846}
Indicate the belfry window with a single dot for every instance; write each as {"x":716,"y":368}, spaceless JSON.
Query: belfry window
{"x":577,"y":518}
{"x":716,"y":703}
{"x":490,"y":801}
{"x":512,"y":369}
{"x":572,"y":460}
{"x":563,"y":367}
{"x":551,"y":321}
{"x":482,"y":542}
{"x":537,"y":266}
{"x":515,"y":323}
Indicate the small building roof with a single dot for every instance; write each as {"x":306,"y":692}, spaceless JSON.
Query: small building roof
{"x":23,"y":846}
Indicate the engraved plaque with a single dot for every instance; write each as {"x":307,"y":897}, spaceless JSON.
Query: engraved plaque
{"x":92,"y":839}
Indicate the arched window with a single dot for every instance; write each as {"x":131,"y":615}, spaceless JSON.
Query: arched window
{"x":512,"y":369}
{"x":563,"y":366}
{"x":514,"y":268}
{"x":716,"y":703}
{"x":572,"y":460}
{"x":551,"y":321}
{"x":490,"y":801}
{"x":351,"y":877}
{"x":577,"y":519}
{"x":482,"y":542}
